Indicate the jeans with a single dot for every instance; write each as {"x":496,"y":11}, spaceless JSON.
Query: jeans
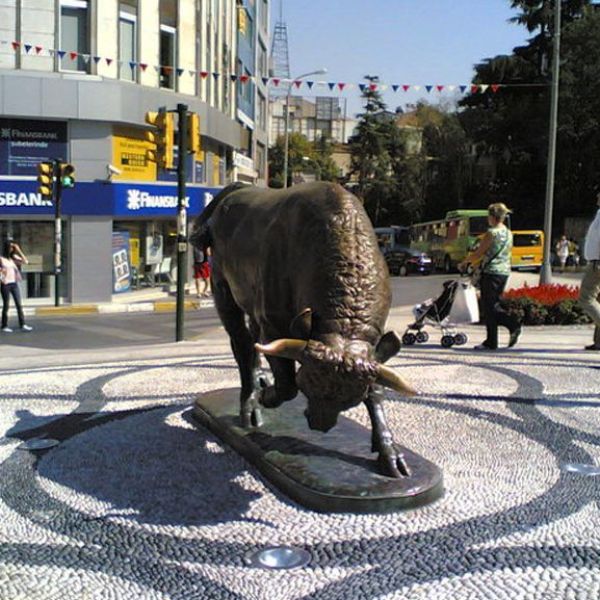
{"x":492,"y":287}
{"x":7,"y":289}
{"x":589,"y":294}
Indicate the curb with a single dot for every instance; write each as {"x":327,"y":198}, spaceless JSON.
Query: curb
{"x":109,"y":308}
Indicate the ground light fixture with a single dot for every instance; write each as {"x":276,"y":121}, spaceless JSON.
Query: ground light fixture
{"x":38,"y":444}
{"x":277,"y":557}
{"x":581,"y":469}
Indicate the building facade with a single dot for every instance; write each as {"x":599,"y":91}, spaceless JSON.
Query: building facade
{"x":76,"y":80}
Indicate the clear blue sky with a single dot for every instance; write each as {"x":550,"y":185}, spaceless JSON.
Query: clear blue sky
{"x":417,"y":42}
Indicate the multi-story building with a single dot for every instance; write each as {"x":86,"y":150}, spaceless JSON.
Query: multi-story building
{"x":76,"y":80}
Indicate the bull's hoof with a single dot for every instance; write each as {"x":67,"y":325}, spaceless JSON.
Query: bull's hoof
{"x":250,"y":412}
{"x":393,"y":464}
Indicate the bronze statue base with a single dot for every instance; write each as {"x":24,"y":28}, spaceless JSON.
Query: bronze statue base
{"x":327,"y":472}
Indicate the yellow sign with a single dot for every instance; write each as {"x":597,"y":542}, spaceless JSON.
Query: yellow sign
{"x":129,"y":155}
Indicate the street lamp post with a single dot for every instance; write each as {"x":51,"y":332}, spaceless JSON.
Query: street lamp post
{"x":546,"y":270}
{"x":286,"y":142}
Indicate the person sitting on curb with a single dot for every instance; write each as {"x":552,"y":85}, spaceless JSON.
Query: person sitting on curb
{"x":10,"y":275}
{"x":589,"y":293}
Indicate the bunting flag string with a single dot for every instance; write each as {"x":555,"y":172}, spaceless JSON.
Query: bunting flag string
{"x":339,"y":86}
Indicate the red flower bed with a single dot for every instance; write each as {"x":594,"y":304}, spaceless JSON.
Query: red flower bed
{"x":547,"y":294}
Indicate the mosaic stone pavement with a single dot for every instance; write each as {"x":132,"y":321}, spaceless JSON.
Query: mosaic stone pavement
{"x":137,"y":502}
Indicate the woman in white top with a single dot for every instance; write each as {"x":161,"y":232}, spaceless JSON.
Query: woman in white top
{"x":10,"y":276}
{"x":562,"y":251}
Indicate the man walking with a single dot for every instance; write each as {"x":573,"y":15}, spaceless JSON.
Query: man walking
{"x":589,"y":294}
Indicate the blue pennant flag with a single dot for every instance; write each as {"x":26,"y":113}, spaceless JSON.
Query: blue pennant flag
{"x":61,"y":53}
{"x":395,"y":87}
{"x":132,"y":65}
{"x":179,"y":72}
{"x":310,"y":84}
{"x":216,"y":76}
{"x":331,"y":85}
{"x":265,"y":80}
{"x":233,"y":77}
{"x":97,"y":59}
{"x":463,"y":89}
{"x":362,"y":86}
{"x":27,"y":47}
{"x":428,"y":88}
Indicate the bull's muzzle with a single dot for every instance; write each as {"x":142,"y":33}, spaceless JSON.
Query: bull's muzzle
{"x":321,"y":422}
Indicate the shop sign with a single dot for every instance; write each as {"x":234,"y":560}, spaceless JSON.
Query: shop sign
{"x":21,"y":197}
{"x":120,"y":262}
{"x":26,"y":143}
{"x":129,"y":155}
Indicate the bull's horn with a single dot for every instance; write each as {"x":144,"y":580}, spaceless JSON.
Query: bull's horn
{"x":283,"y":348}
{"x":389,"y":378}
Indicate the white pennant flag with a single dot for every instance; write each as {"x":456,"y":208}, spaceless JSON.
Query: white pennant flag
{"x":483,"y":87}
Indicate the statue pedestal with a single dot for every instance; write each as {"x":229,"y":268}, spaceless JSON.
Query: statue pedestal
{"x":328,"y":472}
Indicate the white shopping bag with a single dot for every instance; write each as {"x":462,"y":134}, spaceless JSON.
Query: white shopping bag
{"x":465,"y":308}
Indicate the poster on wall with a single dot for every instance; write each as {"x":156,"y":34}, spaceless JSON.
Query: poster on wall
{"x":26,"y":143}
{"x":120,"y":262}
{"x":129,"y":155}
{"x":154,"y":249}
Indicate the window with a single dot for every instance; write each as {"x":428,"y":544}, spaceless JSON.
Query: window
{"x":262,"y":111}
{"x":74,"y":34}
{"x":262,"y":61}
{"x":168,"y":42}
{"x":127,"y":38}
{"x":261,"y":159}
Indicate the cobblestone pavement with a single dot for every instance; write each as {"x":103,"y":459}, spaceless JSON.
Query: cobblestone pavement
{"x":137,"y":502}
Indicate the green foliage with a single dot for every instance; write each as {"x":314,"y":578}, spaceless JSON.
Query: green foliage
{"x":531,"y":312}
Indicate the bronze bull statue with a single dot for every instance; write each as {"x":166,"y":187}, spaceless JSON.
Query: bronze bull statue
{"x":297,"y":275}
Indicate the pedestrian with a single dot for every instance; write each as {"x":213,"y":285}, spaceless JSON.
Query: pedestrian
{"x":589,"y":293}
{"x":494,"y":254}
{"x":10,"y":275}
{"x":202,"y":271}
{"x":562,"y":251}
{"x":574,"y":253}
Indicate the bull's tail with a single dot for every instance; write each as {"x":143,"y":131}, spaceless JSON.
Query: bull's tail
{"x":200,"y":236}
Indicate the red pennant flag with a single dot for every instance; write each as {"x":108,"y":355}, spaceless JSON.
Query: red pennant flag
{"x":108,"y":61}
{"x":72,"y":55}
{"x":341,"y":85}
{"x":372,"y":86}
{"x":495,"y":87}
{"x":204,"y":74}
{"x":143,"y":66}
{"x":38,"y":49}
{"x":167,"y":70}
{"x":406,"y":88}
{"x":244,"y":78}
{"x":297,"y":83}
{"x":16,"y":45}
{"x":474,"y":89}
{"x":439,"y":88}
{"x":275,"y":82}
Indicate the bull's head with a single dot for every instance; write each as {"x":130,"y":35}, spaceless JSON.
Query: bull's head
{"x":335,"y":380}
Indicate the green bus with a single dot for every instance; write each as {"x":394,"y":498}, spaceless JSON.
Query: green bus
{"x":449,"y":240}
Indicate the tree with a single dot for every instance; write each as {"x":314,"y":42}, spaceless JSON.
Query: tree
{"x":298,"y":148}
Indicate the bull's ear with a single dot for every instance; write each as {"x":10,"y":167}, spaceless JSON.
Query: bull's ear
{"x":301,"y":325}
{"x":389,"y":345}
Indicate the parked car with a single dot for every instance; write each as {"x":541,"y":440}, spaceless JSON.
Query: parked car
{"x":403,"y":261}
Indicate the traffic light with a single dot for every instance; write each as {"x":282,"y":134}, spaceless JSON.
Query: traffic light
{"x":46,"y":180}
{"x":67,"y":175}
{"x":162,"y":138}
{"x":193,"y":131}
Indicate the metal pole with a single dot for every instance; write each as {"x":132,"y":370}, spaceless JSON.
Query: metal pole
{"x":57,"y":188}
{"x":546,"y":270}
{"x":181,"y":219}
{"x":286,"y":143}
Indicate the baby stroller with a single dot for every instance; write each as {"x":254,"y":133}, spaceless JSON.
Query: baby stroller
{"x":457,"y":304}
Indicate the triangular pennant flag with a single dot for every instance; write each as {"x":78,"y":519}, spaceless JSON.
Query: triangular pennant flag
{"x":179,"y":72}
{"x":16,"y":45}
{"x":406,"y":88}
{"x":362,"y":86}
{"x":310,"y":84}
{"x":204,"y":74}
{"x":167,"y":69}
{"x":416,"y":87}
{"x":372,"y":86}
{"x":233,"y":77}
{"x":275,"y":81}
{"x":132,"y":64}
{"x":428,"y":88}
{"x":244,"y":78}
{"x":484,"y":87}
{"x":331,"y":85}
{"x":451,"y":88}
{"x":97,"y":59}
{"x":27,"y":47}
{"x":474,"y":89}
{"x":157,"y":68}
{"x":192,"y":72}
{"x":265,"y":80}
{"x":109,"y":61}
{"x":143,"y":66}
{"x":383,"y":87}
{"x":462,"y":88}
{"x":73,"y":55}
{"x":216,"y":75}
{"x":86,"y":58}
{"x":395,"y":87}
{"x":297,"y":84}
{"x":38,"y":49}
{"x":51,"y":51}
{"x":495,"y":87}
{"x":341,"y":86}
{"x":61,"y":53}
{"x":439,"y":88}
